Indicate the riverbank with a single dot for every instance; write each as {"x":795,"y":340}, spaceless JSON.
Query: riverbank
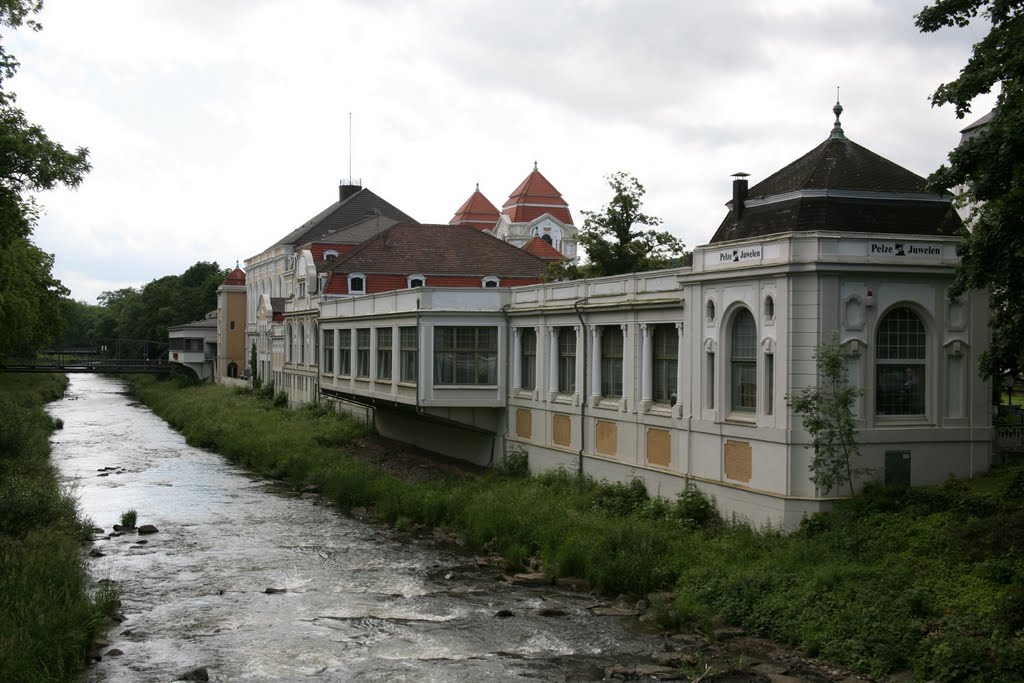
{"x":930,"y":579}
{"x":47,"y":618}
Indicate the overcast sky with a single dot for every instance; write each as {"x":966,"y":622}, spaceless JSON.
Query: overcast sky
{"x":215,"y":127}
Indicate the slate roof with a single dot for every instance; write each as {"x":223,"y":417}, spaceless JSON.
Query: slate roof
{"x":355,"y":208}
{"x":357,"y":233}
{"x":477,"y":212}
{"x":840,"y":186}
{"x":438,"y":250}
{"x":539,"y":247}
{"x":534,"y":197}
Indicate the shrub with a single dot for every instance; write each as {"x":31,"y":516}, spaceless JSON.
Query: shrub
{"x":281,"y":399}
{"x":515,"y":464}
{"x":128,"y":518}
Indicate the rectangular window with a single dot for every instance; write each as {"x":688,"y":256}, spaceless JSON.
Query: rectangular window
{"x":328,"y":347}
{"x":567,"y":360}
{"x":666,"y":359}
{"x":528,"y":349}
{"x":466,"y":355}
{"x":409,"y":340}
{"x":383,"y":353}
{"x":769,"y":383}
{"x":363,"y":353}
{"x":611,"y":361}
{"x":345,"y":352}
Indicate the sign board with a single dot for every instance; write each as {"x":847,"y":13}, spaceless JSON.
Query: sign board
{"x":750,"y":253}
{"x":908,"y":250}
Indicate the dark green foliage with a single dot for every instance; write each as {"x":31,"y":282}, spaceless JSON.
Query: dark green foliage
{"x":128,"y":518}
{"x":46,"y":616}
{"x":256,"y":380}
{"x":987,"y":170}
{"x":30,"y":297}
{"x":615,"y":240}
{"x":516,"y":463}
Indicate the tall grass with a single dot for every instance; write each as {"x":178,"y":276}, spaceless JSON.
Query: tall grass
{"x":929,"y":579}
{"x":47,"y":619}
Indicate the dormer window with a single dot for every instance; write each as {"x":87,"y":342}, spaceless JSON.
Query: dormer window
{"x":330,"y":255}
{"x":417,"y":281}
{"x":491,"y":281}
{"x":356,"y":283}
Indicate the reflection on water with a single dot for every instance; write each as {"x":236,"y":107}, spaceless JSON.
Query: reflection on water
{"x":357,"y":604}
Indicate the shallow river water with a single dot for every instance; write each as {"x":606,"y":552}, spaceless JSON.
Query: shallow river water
{"x":360,"y":604}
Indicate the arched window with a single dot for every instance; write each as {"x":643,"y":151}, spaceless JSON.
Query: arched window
{"x":546,"y":238}
{"x":302,"y":343}
{"x":709,"y":311}
{"x":490,"y":281}
{"x":900,"y":354}
{"x":743,"y":345}
{"x":769,"y":308}
{"x":416,"y":281}
{"x":330,"y":255}
{"x":232,"y":370}
{"x":314,"y":359}
{"x":289,"y":343}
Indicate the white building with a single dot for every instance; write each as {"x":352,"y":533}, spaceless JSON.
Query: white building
{"x":680,"y":376}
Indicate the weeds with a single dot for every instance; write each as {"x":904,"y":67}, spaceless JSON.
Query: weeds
{"x":128,"y":518}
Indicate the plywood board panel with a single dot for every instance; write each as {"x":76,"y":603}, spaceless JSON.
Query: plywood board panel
{"x":524,"y":423}
{"x":561,"y":430}
{"x":738,"y":461}
{"x":607,"y":438}
{"x":659,"y":447}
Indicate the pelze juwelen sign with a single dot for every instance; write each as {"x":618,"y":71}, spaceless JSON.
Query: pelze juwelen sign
{"x":903,"y":249}
{"x":738,"y":255}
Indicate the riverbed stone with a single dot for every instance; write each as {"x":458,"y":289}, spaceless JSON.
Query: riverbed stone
{"x":309,"y":496}
{"x":658,"y":672}
{"x":530,"y":579}
{"x":198,"y":674}
{"x":147,"y":529}
{"x":573,"y":583}
{"x":114,"y":652}
{"x":275,"y":591}
{"x":603,"y":611}
{"x":552,"y":612}
{"x":504,"y":614}
{"x":96,"y":552}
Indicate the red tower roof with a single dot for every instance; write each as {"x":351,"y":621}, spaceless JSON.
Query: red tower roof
{"x":235,"y":277}
{"x":535,"y":197}
{"x":476,"y":212}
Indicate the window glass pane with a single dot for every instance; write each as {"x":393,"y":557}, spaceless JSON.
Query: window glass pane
{"x":528,"y":348}
{"x":363,"y":353}
{"x":408,"y":339}
{"x":345,"y":352}
{"x":567,"y":360}
{"x":900,"y":369}
{"x":466,"y":355}
{"x":611,"y":361}
{"x":901,"y":336}
{"x":383,"y":353}
{"x":666,"y":352}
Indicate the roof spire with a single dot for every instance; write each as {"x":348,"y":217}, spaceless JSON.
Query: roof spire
{"x":534,"y":165}
{"x":837,"y":129}
{"x":478,"y":187}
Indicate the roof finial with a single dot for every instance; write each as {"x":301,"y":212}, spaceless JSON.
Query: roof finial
{"x":236,"y":263}
{"x":837,"y":129}
{"x":534,"y":165}
{"x":478,"y":187}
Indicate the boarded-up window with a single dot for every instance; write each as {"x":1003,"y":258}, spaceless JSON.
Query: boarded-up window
{"x":524,"y":423}
{"x":659,"y":447}
{"x":560,"y":428}
{"x":738,"y":463}
{"x":607,"y":438}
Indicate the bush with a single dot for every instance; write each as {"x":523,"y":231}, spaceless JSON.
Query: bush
{"x":281,"y":399}
{"x":128,"y":518}
{"x":515,"y":464}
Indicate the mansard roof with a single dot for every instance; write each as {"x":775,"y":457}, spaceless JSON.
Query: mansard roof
{"x":477,"y":212}
{"x":839,"y":186}
{"x":353,"y":207}
{"x":535,"y":197}
{"x":540,"y":248}
{"x":440,"y":250}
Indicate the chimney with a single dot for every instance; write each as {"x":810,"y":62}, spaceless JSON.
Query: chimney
{"x":347,"y":188}
{"x":739,"y":194}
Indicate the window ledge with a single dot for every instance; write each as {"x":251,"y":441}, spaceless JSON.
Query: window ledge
{"x":567,"y":399}
{"x":902,"y":421}
{"x":444,"y":387}
{"x":742,"y":418}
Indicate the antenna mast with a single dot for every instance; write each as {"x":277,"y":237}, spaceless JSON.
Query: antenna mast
{"x":350,"y":147}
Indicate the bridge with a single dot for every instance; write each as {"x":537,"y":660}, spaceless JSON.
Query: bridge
{"x":113,"y":356}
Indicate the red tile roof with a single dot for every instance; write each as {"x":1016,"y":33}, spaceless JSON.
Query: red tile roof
{"x":438,"y":250}
{"x":235,"y":277}
{"x":534,"y":197}
{"x":477,"y":212}
{"x":540,"y":248}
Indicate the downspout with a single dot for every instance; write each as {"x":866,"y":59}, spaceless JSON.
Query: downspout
{"x":508,"y":383}
{"x":583,"y":392}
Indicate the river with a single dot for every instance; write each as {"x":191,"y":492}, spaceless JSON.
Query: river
{"x":360,"y":603}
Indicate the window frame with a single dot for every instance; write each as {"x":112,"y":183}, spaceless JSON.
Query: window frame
{"x":528,"y":357}
{"x":567,"y":343}
{"x":613,"y":345}
{"x":363,"y":353}
{"x":409,"y":281}
{"x":665,"y":363}
{"x":408,"y":361}
{"x":466,"y":355}
{"x":356,"y":276}
{"x":901,"y":394}
{"x":490,"y":282}
{"x":345,"y":352}
{"x":384,"y":352}
{"x":743,"y":368}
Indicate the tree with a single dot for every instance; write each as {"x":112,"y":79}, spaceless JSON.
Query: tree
{"x":827,"y":413}
{"x":30,"y":297}
{"x":613,"y":242}
{"x":987,"y":170}
{"x":254,"y":374}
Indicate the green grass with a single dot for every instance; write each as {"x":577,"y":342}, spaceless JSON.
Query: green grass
{"x":930,"y":579}
{"x":47,"y":618}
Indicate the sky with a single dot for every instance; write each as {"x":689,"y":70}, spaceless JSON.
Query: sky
{"x":215,"y":127}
